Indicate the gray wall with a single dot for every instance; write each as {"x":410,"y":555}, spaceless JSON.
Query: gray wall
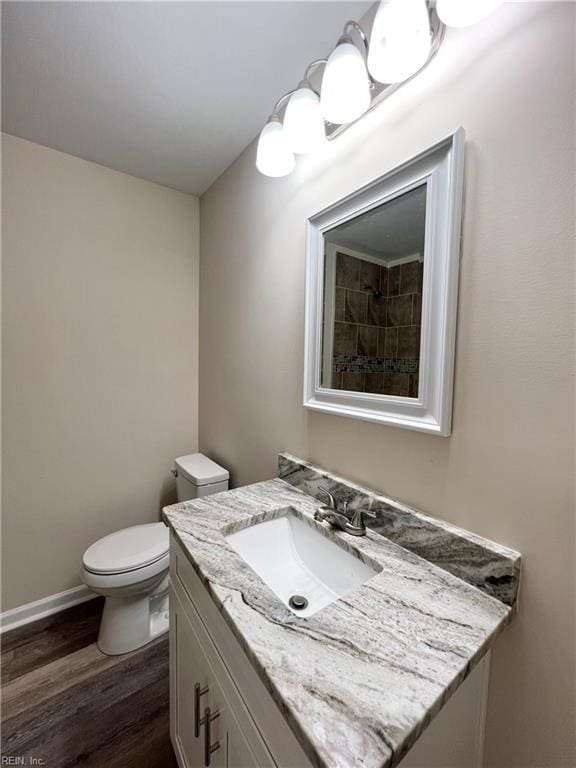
{"x":507,"y":470}
{"x":99,"y":358}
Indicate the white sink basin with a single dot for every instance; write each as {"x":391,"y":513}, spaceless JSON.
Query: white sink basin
{"x":293,"y":557}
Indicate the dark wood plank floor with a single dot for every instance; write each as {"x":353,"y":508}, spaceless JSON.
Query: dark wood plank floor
{"x":65,"y":703}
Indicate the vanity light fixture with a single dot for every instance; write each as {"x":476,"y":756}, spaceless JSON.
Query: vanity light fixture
{"x":400,"y":40}
{"x":405,"y":36}
{"x":464,"y":13}
{"x":345,"y":94}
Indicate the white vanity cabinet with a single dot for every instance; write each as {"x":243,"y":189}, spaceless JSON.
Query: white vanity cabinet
{"x":222,"y":716}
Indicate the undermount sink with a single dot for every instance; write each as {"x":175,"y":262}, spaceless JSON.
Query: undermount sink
{"x":296,"y":559}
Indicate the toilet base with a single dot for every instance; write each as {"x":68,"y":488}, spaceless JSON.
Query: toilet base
{"x":128,"y":623}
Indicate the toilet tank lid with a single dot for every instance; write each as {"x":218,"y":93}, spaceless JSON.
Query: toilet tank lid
{"x":201,"y":470}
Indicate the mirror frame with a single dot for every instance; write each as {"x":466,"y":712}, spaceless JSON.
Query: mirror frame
{"x":441,"y":168}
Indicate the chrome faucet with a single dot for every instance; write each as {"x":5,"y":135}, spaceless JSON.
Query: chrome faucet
{"x":352,"y":523}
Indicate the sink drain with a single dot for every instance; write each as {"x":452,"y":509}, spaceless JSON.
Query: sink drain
{"x":298,"y":602}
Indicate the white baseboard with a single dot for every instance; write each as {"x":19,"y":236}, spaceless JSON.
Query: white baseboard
{"x":25,"y":614}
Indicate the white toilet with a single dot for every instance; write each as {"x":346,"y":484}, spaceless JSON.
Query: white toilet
{"x":130,"y":567}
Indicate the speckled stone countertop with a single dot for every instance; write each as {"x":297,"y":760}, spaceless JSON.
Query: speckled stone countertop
{"x":361,"y":679}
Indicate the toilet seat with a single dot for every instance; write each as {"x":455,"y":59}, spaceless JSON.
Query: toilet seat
{"x":136,"y":579}
{"x":142,"y":548}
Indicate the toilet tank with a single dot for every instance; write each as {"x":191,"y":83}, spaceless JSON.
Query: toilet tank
{"x":197,"y":476}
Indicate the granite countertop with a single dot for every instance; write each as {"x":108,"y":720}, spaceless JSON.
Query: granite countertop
{"x":360,"y":680}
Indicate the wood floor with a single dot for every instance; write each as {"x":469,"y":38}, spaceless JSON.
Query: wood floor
{"x":66,"y":704}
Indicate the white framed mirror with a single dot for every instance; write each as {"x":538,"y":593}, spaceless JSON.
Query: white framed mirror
{"x":381,"y":295}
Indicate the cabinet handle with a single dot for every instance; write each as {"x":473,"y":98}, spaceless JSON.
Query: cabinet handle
{"x":206,"y":721}
{"x":197,"y":693}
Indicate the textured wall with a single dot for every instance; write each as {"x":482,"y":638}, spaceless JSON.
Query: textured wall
{"x":507,"y":470}
{"x":99,"y":358}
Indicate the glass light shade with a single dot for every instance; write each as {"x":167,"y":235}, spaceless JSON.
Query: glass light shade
{"x":345,"y":91}
{"x":303,"y":123}
{"x":400,"y":40}
{"x":463,"y":13}
{"x":273,"y":155}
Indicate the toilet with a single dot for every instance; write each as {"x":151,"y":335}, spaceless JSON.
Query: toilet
{"x":130,"y":567}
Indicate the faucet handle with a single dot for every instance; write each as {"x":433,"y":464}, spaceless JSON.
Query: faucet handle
{"x":326,"y":492}
{"x":358,"y":517}
{"x":333,"y":504}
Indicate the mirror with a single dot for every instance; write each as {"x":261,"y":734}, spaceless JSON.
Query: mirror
{"x":373,"y":271}
{"x":382,"y":275}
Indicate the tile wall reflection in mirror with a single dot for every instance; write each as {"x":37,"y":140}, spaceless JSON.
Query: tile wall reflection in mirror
{"x":373,"y":270}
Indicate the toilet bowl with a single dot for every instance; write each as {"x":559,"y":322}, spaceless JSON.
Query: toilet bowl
{"x":130,"y":569}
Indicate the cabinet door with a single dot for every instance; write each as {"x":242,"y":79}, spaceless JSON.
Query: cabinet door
{"x":239,"y":754}
{"x":196,"y":696}
{"x":187,"y":671}
{"x":233,"y":749}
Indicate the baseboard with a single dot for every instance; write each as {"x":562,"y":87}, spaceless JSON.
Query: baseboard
{"x":25,"y":614}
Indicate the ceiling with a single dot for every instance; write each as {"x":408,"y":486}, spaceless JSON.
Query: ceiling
{"x":168,"y":91}
{"x":390,"y":231}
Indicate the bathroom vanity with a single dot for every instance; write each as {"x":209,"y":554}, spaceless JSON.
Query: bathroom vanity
{"x":395,"y":622}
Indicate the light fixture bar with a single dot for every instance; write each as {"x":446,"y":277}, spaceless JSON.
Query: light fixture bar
{"x":348,"y":92}
{"x":379,"y":92}
{"x":280,"y":102}
{"x":312,"y":66}
{"x":355,"y":26}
